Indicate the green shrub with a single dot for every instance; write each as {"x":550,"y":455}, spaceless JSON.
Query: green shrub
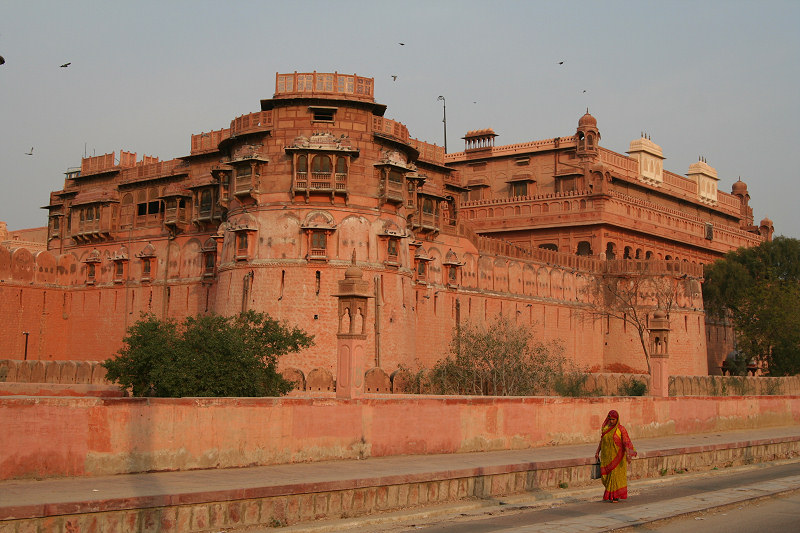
{"x":207,"y":355}
{"x":633,"y":387}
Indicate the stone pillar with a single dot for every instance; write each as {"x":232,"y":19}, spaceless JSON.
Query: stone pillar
{"x":351,"y":336}
{"x":659,"y":355}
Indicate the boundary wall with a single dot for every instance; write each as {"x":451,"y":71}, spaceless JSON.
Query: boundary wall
{"x":67,"y":436}
{"x":376,"y":380}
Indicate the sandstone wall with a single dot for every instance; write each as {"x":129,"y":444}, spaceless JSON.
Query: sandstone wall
{"x":47,"y":436}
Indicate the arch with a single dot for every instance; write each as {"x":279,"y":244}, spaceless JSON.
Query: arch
{"x":321,"y":164}
{"x":584,"y":248}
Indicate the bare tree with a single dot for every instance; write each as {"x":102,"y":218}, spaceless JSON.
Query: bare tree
{"x":631,"y":290}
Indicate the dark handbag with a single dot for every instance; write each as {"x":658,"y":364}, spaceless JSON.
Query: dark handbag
{"x":596,"y":470}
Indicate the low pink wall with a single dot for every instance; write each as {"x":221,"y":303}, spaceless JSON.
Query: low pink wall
{"x":49,"y":436}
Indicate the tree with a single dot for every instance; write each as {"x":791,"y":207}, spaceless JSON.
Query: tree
{"x":630,"y":291}
{"x":207,"y":355}
{"x":500,"y":359}
{"x":758,"y":290}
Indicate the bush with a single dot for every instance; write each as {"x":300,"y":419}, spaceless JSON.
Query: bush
{"x":498,"y":360}
{"x":633,"y":387}
{"x":207,"y":355}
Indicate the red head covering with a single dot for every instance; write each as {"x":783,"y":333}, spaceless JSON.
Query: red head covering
{"x":606,"y":425}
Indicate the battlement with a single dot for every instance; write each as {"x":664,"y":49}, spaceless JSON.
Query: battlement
{"x":108,"y":163}
{"x":324,"y":85}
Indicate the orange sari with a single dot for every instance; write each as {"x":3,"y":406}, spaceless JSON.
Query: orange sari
{"x":615,"y":451}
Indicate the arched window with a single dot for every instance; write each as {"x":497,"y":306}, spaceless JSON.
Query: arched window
{"x":205,"y":203}
{"x":611,"y":253}
{"x":341,"y":165}
{"x":302,"y":164}
{"x":584,"y":248}
{"x":321,"y":164}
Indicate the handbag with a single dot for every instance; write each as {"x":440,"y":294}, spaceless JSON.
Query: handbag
{"x":596,"y":470}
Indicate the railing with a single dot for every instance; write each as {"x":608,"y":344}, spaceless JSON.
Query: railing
{"x":323,"y":83}
{"x":173,"y":215}
{"x":679,"y":182}
{"x":392,"y":128}
{"x":259,"y":121}
{"x":208,"y":142}
{"x":625,"y":164}
{"x":301,"y":180}
{"x":153,"y":170}
{"x":428,"y":152}
{"x":321,"y":180}
{"x":243,"y":183}
{"x":394,"y":191}
{"x":341,"y":181}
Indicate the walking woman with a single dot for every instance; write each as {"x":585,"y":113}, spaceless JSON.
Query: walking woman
{"x":614,"y":452}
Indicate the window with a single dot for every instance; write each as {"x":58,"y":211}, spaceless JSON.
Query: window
{"x":391,"y":250}
{"x":428,"y":206}
{"x":519,"y":188}
{"x":321,"y":172}
{"x":584,"y":248}
{"x":147,"y":268}
{"x":119,"y":270}
{"x":205,"y":203}
{"x":341,"y":173}
{"x":319,"y":244}
{"x":451,"y":274}
{"x":323,"y":114}
{"x":209,"y":263}
{"x":90,"y":273}
{"x":241,"y":245}
{"x":422,"y":270}
{"x":549,"y":246}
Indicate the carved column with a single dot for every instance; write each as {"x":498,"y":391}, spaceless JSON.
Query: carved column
{"x":351,"y":336}
{"x":659,"y":355}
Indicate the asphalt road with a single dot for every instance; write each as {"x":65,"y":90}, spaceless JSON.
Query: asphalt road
{"x":775,"y":515}
{"x":778,"y":515}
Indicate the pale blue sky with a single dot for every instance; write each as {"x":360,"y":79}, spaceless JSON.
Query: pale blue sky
{"x":714,"y":78}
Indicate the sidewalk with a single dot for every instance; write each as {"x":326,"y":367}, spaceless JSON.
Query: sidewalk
{"x":293,"y":493}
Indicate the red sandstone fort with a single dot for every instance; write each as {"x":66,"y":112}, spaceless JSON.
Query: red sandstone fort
{"x":266,"y":214}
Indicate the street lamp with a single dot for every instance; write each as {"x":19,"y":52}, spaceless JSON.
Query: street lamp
{"x":444,"y":120}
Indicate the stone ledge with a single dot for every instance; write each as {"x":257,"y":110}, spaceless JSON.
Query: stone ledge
{"x":298,"y":502}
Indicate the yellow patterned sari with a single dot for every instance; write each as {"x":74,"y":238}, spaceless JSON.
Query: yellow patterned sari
{"x":615,"y":451}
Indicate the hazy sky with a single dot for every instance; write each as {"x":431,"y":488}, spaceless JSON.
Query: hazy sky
{"x":717,"y":79}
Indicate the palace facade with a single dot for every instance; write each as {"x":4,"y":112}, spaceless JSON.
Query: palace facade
{"x":267,"y":213}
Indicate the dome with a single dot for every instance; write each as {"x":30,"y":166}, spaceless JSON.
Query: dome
{"x":352,"y":272}
{"x":766,"y":222}
{"x":739,"y":188}
{"x":587,"y":120}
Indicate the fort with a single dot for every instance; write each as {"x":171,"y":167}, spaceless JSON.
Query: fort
{"x":267,"y":213}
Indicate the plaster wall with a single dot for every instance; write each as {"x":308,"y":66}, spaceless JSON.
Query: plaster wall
{"x":46,"y":437}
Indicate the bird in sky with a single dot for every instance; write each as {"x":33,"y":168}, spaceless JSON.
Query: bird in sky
{"x":560,"y":62}
{"x":31,"y":152}
{"x":402,"y":44}
{"x":394,"y":78}
{"x":65,"y":65}
{"x":2,"y":60}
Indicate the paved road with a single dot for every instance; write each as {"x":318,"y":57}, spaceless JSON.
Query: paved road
{"x":778,"y":515}
{"x":651,"y":500}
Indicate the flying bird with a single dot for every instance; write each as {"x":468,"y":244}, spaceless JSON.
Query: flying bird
{"x":402,"y":44}
{"x":31,"y":152}
{"x":394,"y":78}
{"x":65,"y":65}
{"x":560,"y":62}
{"x":2,"y":60}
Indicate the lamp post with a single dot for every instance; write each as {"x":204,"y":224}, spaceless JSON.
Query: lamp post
{"x":444,"y":120}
